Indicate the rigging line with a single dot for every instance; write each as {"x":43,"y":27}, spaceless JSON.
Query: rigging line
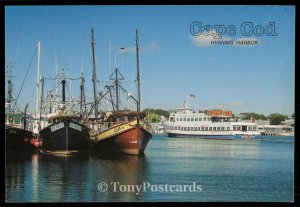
{"x":30,"y":99}
{"x":24,"y":78}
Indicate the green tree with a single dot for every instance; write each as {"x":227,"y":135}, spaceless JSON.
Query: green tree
{"x":248,"y":115}
{"x":276,"y":118}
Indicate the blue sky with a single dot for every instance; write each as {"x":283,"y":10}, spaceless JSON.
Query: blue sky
{"x":173,"y":62}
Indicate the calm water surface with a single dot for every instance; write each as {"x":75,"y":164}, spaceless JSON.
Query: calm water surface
{"x":227,"y":170}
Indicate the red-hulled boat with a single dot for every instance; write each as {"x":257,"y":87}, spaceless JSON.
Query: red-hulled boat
{"x":124,"y":131}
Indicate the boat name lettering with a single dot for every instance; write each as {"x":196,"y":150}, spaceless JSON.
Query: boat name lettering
{"x":118,"y":129}
{"x":56,"y":127}
{"x":75,"y":126}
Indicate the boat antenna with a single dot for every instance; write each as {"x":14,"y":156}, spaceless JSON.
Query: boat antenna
{"x":94,"y":75}
{"x":38,"y":79}
{"x":109,"y":58}
{"x":138,"y":71}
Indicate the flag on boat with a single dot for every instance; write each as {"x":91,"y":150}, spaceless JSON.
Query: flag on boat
{"x":192,"y":95}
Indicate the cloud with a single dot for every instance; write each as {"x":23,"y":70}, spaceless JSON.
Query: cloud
{"x":246,"y":42}
{"x":205,"y":40}
{"x":153,"y":45}
{"x":235,"y":103}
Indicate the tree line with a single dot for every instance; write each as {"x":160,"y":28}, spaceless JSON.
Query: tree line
{"x":154,"y":115}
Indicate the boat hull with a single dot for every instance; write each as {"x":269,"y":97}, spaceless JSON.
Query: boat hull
{"x":64,"y":137}
{"x":132,"y":141}
{"x":215,"y":136}
{"x":17,"y":139}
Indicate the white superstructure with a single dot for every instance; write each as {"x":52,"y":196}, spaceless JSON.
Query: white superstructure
{"x":215,"y":124}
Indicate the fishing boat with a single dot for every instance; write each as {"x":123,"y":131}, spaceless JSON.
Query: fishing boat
{"x":122,"y":131}
{"x":210,"y":124}
{"x":17,"y":136}
{"x":65,"y":133}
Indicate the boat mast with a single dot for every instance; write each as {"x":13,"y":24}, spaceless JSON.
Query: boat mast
{"x":94,"y":75}
{"x":41,"y":104}
{"x":82,"y":95}
{"x":138,"y":71}
{"x":117,"y":90}
{"x":38,"y":79}
{"x":9,"y":87}
{"x":63,"y":82}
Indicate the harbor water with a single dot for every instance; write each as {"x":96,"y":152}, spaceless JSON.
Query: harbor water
{"x":172,"y":170}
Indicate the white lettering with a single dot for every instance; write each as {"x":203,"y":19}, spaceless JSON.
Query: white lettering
{"x":75,"y":126}
{"x":58,"y":126}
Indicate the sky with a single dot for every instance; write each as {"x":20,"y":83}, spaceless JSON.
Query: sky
{"x":177,"y":56}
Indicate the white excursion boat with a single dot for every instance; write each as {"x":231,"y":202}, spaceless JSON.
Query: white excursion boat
{"x":213,"y":124}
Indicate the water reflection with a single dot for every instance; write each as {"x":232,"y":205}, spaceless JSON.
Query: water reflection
{"x":15,"y":176}
{"x":50,"y":178}
{"x":228,"y":170}
{"x":127,"y":170}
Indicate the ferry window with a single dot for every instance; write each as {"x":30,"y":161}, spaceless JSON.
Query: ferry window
{"x":200,"y":119}
{"x":210,"y":128}
{"x":223,"y":128}
{"x":184,"y":128}
{"x":214,"y":128}
{"x":192,"y":119}
{"x":184,"y":119}
{"x":188,"y":128}
{"x":206,"y":128}
{"x":234,"y":128}
{"x":208,"y":119}
{"x":177,"y":119}
{"x":180,"y":119}
{"x":202,"y":128}
{"x":238,"y":128}
{"x":188,"y":119}
{"x":244,"y":128}
{"x":250,"y":128}
{"x":172,"y":119}
{"x":228,"y":128}
{"x":204,"y":119}
{"x":176,"y":128}
{"x":218,"y":128}
{"x":196,"y":119}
